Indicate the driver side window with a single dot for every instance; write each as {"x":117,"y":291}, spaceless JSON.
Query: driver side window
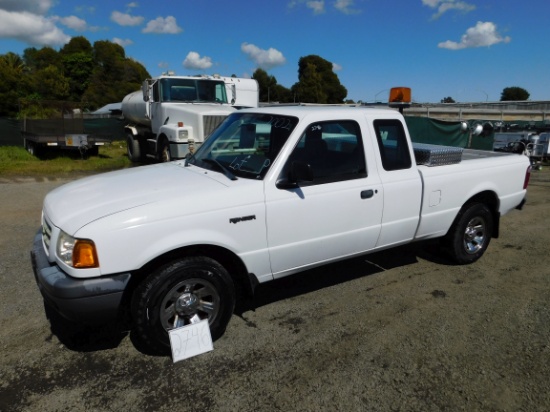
{"x":333,"y":150}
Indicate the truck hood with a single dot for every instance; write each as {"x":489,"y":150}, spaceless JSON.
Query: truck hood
{"x":74,"y":205}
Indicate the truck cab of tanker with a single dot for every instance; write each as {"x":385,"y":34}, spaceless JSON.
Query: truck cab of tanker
{"x":172,"y":115}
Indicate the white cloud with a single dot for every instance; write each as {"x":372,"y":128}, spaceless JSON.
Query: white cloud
{"x":31,"y":6}
{"x":318,"y":6}
{"x":125,"y":19}
{"x":193,"y":60}
{"x":122,"y":42}
{"x":266,"y":59}
{"x":162,"y":25}
{"x":31,"y":28}
{"x":444,"y":6}
{"x":73,"y":22}
{"x":26,"y":21}
{"x":483,"y":34}
{"x":345,"y":6}
{"x":336,"y":67}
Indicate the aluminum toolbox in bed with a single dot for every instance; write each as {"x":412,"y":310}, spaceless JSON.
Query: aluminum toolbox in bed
{"x":435,"y":155}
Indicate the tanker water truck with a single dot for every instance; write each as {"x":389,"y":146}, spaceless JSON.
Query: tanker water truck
{"x":172,"y":115}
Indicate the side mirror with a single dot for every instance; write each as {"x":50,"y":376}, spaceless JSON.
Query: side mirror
{"x":298,"y":172}
{"x":234,"y":94}
{"x":145,"y":90}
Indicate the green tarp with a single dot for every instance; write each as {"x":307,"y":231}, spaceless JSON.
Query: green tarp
{"x":432,"y":131}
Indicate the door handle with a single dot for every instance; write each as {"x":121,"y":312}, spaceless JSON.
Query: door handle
{"x":367,"y":194}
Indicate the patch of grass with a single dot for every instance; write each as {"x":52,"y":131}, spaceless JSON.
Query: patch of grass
{"x":16,"y":161}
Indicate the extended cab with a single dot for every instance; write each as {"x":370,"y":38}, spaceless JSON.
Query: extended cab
{"x":274,"y":191}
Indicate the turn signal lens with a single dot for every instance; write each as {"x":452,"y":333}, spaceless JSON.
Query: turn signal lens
{"x":78,"y":253}
{"x":85,"y":255}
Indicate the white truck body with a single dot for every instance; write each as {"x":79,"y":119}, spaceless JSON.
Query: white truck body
{"x":255,"y":207}
{"x":172,"y":115}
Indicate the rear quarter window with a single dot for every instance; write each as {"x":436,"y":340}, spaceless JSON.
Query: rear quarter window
{"x":393,"y":144}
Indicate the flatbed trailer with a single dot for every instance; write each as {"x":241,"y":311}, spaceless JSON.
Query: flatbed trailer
{"x":60,"y":125}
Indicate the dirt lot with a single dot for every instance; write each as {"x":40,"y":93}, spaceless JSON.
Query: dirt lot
{"x":394,"y":331}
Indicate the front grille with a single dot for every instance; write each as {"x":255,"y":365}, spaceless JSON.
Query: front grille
{"x":46,"y":233}
{"x":210,"y":123}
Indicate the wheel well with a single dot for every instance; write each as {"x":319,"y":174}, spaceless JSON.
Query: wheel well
{"x":161,"y":139}
{"x":491,"y":200}
{"x":131,"y":131}
{"x":244,"y":283}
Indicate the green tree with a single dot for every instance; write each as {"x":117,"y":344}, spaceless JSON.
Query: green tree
{"x":448,"y":100}
{"x":40,"y":59}
{"x":79,"y":44}
{"x":317,"y":82}
{"x":310,"y":87}
{"x":13,"y":84}
{"x":51,"y":84}
{"x":265,"y":84}
{"x":281,"y":94}
{"x":113,"y":76}
{"x":79,"y":72}
{"x":270,"y":90}
{"x":514,"y":94}
{"x":78,"y":65}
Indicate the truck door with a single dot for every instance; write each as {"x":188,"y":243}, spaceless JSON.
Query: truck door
{"x":161,"y":92}
{"x":401,"y":181}
{"x":337,"y":214}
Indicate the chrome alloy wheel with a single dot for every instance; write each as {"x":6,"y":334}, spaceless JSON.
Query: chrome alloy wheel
{"x":475,"y":235}
{"x":189,"y":301}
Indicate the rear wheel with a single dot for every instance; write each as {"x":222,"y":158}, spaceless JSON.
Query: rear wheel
{"x":33,"y":148}
{"x":470,"y":234}
{"x":183,"y":292}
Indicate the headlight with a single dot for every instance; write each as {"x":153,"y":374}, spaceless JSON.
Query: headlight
{"x":183,"y":134}
{"x":78,"y":253}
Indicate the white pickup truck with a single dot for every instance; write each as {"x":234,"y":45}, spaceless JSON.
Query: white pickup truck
{"x":273,"y":191}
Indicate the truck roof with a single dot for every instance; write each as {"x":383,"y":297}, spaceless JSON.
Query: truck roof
{"x":300,"y":110}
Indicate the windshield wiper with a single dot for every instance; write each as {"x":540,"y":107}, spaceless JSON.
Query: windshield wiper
{"x":224,"y":169}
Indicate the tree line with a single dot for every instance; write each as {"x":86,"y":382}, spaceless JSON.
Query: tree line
{"x":99,"y":74}
{"x":94,"y":75}
{"x":317,"y":83}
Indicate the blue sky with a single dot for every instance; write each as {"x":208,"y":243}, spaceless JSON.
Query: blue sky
{"x":469,"y":50}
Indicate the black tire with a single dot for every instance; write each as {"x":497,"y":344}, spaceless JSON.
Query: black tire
{"x":164,"y":151}
{"x":133,"y":147}
{"x":33,"y":148}
{"x":177,"y":294}
{"x":470,"y":234}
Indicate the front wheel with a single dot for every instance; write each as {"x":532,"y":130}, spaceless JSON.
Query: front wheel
{"x":470,"y":234}
{"x":183,"y":292}
{"x":164,"y":151}
{"x":133,"y":147}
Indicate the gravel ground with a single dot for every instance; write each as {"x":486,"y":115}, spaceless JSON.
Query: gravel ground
{"x":399,"y":330}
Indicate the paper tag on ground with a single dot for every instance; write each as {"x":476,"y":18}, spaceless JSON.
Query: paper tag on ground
{"x":190,"y":340}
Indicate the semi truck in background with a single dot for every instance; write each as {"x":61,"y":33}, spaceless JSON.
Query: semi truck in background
{"x":172,"y":115}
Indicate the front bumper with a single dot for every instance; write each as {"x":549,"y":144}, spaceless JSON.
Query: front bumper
{"x":95,"y":300}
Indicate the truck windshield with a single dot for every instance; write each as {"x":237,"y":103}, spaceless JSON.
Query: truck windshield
{"x":245,"y":144}
{"x":193,"y":90}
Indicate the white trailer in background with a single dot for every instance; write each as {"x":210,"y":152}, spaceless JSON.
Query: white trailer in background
{"x":172,"y":115}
